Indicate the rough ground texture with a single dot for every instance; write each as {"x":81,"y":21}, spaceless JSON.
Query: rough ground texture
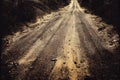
{"x":70,"y":45}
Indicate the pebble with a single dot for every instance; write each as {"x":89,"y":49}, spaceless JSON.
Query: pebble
{"x":54,"y":59}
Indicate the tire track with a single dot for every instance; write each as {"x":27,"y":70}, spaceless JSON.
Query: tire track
{"x":46,"y":55}
{"x":17,"y":51}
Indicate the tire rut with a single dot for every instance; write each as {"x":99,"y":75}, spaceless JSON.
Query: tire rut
{"x":48,"y":52}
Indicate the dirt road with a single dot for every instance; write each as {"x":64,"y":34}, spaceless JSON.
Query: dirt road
{"x":64,"y":48}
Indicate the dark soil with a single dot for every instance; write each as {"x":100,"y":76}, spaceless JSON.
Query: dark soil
{"x":109,"y":10}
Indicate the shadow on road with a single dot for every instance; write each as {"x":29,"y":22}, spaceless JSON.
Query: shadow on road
{"x":106,"y":68}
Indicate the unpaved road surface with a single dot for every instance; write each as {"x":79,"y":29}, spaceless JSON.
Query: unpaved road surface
{"x":64,"y":48}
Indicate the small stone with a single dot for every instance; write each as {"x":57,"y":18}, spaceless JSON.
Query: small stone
{"x":31,"y":67}
{"x":101,"y":28}
{"x":11,"y":63}
{"x":64,"y":62}
{"x":9,"y":71}
{"x":54,"y":59}
{"x":75,"y":62}
{"x":115,"y":40}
